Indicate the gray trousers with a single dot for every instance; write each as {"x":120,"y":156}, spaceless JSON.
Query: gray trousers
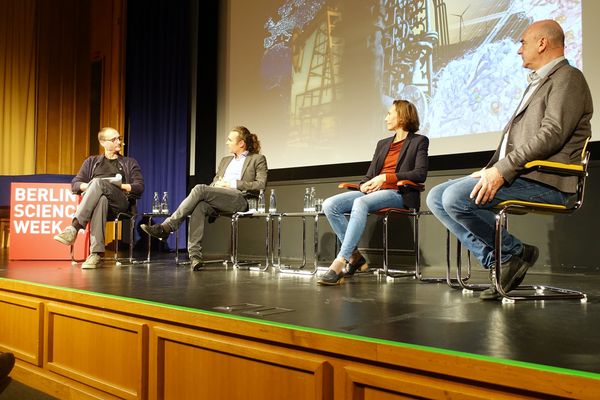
{"x":202,"y":202}
{"x":100,"y":201}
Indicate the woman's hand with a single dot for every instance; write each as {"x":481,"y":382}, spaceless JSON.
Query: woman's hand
{"x":373,"y":184}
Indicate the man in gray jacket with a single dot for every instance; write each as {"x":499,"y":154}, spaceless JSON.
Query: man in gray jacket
{"x":552,"y":122}
{"x":111,"y":184}
{"x":240,"y":175}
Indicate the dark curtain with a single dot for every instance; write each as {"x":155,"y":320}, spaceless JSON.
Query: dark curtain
{"x":157,"y":97}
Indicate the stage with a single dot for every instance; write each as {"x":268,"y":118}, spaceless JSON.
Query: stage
{"x":553,"y":333}
{"x":553,"y":336}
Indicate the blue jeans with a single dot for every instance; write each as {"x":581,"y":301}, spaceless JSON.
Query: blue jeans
{"x":358,"y":204}
{"x":474,"y":225}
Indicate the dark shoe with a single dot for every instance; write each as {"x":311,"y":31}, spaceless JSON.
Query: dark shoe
{"x":197,"y":264}
{"x":7,"y":362}
{"x":490,"y":294}
{"x":360,"y":265}
{"x":512,"y":271}
{"x":330,"y":278}
{"x":156,"y":231}
{"x":529,"y":255}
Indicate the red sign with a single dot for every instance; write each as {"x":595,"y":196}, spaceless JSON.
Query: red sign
{"x":38,"y":211}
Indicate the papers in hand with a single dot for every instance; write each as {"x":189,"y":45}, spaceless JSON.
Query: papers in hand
{"x":115,"y":180}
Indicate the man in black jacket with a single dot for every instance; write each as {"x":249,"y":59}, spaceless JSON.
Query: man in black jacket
{"x":111,"y":184}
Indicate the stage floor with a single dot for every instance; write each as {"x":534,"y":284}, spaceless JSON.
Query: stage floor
{"x":561,"y":333}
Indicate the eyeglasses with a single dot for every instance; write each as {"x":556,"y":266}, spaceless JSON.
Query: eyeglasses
{"x":114,"y":140}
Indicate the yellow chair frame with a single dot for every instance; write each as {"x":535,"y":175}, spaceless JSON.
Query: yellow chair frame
{"x":517,"y":207}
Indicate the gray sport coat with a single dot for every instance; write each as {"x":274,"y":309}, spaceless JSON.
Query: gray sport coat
{"x":254,"y":173}
{"x":553,"y":125}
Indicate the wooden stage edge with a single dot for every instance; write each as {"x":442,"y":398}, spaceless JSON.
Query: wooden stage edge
{"x":78,"y":344}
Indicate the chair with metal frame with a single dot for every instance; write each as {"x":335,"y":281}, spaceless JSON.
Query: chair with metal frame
{"x":86,"y":247}
{"x":460,"y":282}
{"x":518,"y":207}
{"x":4,"y":226}
{"x":386,"y":213}
{"x":130,"y":216}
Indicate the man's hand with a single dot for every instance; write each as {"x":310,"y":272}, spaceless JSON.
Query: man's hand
{"x":221,"y":183}
{"x":126,"y":187}
{"x":83,"y":186}
{"x":373,"y":185}
{"x":490,"y":180}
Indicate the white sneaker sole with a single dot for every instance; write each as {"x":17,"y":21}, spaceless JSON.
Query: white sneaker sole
{"x":63,"y":241}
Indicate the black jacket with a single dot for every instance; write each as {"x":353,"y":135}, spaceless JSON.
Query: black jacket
{"x":412,"y":164}
{"x":128,"y":167}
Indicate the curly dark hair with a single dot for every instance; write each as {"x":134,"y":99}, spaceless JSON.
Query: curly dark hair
{"x":252,"y":142}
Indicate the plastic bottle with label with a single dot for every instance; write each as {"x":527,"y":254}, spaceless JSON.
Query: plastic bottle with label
{"x":272,"y":202}
{"x":155,"y":204}
{"x":261,"y":201}
{"x":164,"y":205}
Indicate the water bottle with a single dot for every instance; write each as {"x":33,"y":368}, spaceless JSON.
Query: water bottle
{"x":164,"y":205}
{"x":306,"y":199}
{"x":155,"y":204}
{"x":261,"y":201}
{"x":272,"y":202}
{"x":311,"y":200}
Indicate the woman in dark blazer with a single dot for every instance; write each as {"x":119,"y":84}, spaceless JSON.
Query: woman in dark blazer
{"x":400,"y":157}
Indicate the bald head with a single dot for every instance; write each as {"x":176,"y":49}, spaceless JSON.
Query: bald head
{"x":110,"y":139}
{"x":107,"y":133}
{"x":542,"y":42}
{"x":551,"y":31}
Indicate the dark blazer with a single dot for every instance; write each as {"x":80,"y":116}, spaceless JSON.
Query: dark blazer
{"x":553,"y":125}
{"x":412,"y":164}
{"x":129,"y":168}
{"x":254,"y":173}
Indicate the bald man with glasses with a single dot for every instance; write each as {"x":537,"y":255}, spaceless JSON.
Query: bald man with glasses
{"x":111,"y":183}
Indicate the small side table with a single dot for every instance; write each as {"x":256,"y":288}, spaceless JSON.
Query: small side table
{"x":268,"y":216}
{"x":151,"y":216}
{"x":304,"y":216}
{"x":235,"y":217}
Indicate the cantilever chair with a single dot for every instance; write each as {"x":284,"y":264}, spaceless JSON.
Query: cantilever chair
{"x":86,"y":247}
{"x":386,"y":213}
{"x":460,"y":282}
{"x":129,"y":216}
{"x":518,"y":207}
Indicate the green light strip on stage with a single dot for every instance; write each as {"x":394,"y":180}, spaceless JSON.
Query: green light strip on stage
{"x":539,"y":367}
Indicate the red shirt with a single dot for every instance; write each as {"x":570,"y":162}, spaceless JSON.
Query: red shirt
{"x":389,"y":165}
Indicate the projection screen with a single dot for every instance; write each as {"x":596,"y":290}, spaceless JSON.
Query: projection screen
{"x":314,"y":78}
